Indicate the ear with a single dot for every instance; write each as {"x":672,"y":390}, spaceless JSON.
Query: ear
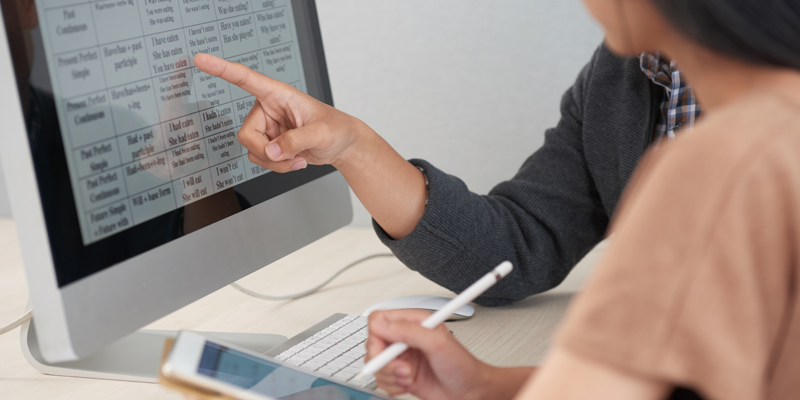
{"x":29,"y":19}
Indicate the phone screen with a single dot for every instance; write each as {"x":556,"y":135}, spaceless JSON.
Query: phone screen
{"x":271,"y":379}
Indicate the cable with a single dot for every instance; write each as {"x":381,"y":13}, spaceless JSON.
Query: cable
{"x":309,"y":291}
{"x":29,"y":314}
{"x":19,"y":321}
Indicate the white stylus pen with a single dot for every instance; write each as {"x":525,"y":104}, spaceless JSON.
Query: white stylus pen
{"x":476,"y":289}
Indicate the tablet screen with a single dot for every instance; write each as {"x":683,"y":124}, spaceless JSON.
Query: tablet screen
{"x":271,"y":379}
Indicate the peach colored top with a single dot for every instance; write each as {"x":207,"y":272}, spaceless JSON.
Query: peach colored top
{"x":699,"y":287}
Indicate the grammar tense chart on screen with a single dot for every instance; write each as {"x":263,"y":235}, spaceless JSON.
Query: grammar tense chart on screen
{"x":146,"y":132}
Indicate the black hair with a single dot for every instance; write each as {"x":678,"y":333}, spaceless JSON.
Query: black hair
{"x":763,"y":32}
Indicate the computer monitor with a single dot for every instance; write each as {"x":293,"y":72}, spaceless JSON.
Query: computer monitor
{"x":131,"y":195}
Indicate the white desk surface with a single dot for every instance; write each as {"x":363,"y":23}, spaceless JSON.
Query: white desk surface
{"x":513,"y":335}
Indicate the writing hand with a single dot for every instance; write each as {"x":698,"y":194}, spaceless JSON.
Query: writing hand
{"x":436,"y":365}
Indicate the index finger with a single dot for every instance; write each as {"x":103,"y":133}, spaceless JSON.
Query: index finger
{"x":252,"y":82}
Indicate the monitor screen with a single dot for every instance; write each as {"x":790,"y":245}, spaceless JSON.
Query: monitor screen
{"x":133,"y":146}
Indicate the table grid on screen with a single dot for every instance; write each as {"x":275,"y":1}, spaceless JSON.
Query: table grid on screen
{"x":146,"y":132}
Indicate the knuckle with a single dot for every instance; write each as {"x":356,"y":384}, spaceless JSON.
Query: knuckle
{"x":243,"y":137}
{"x":288,"y":140}
{"x":241,"y":80}
{"x":373,"y":317}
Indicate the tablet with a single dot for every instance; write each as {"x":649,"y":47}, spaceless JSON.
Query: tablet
{"x":200,"y":361}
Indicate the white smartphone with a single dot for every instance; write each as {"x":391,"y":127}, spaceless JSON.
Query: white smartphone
{"x":244,"y":374}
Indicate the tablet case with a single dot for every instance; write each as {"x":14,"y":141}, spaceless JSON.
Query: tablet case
{"x":188,"y":389}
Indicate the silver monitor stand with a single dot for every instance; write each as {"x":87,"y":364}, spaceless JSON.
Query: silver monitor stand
{"x":135,"y":357}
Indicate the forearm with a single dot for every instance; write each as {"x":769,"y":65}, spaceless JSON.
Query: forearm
{"x":391,"y":188}
{"x":462,"y":235}
{"x":505,"y":383}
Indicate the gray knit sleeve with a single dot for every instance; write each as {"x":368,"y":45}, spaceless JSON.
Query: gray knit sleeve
{"x":543,"y":220}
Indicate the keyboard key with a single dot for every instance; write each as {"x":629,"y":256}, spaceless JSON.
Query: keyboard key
{"x":341,"y":348}
{"x":295,"y":361}
{"x":355,"y":324}
{"x":346,"y":359}
{"x":337,"y":324}
{"x":325,"y":357}
{"x":349,"y":328}
{"x":288,"y":353}
{"x":317,"y":348}
{"x":351,"y":342}
{"x":302,"y":356}
{"x":357,"y":351}
{"x":339,"y":363}
{"x":343,"y":376}
{"x":328,"y":370}
{"x":349,"y":317}
{"x":352,"y":370}
{"x":307,"y":342}
{"x":338,"y":351}
{"x":313,"y":364}
{"x":317,"y":337}
{"x":327,"y":342}
{"x":367,"y":381}
{"x":333,"y":353}
{"x":338,"y":335}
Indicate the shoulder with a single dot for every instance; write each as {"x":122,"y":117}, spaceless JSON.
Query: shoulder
{"x":610,"y":80}
{"x":606,"y":64}
{"x":733,"y":140}
{"x":687,"y":183}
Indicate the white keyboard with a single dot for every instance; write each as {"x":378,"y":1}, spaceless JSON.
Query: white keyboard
{"x":336,"y":351}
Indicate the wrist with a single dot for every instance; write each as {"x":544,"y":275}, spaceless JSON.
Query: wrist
{"x":503,"y":383}
{"x":359,"y":148}
{"x":489,"y":382}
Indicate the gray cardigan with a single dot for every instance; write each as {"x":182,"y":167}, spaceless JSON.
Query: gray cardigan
{"x":558,"y":205}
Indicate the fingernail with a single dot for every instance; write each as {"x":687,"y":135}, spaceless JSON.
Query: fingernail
{"x":404,"y":372}
{"x":273,"y":150}
{"x":299,"y":165}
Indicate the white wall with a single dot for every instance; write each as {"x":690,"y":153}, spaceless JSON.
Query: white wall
{"x":5,"y":208}
{"x":468,"y":85}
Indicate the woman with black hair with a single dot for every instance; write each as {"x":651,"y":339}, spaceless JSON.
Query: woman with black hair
{"x":699,"y":288}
